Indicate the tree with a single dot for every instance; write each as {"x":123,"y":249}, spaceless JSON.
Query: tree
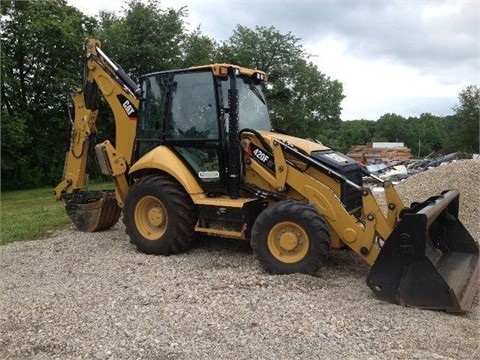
{"x":197,"y":49}
{"x":466,"y":121}
{"x":15,"y":143}
{"x":146,"y":38}
{"x":263,"y":48}
{"x":303,"y":101}
{"x":390,"y":127}
{"x":425,"y":134}
{"x":41,"y":62}
{"x":351,"y":133}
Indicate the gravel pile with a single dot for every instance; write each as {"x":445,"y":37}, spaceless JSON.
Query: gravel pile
{"x":462,"y":175}
{"x":92,"y":295}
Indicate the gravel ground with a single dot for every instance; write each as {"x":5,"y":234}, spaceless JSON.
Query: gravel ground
{"x":92,"y":295}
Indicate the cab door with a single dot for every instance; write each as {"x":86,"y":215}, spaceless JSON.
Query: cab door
{"x":193,"y":128}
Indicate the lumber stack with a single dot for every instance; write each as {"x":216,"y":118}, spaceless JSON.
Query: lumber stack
{"x":368,"y":154}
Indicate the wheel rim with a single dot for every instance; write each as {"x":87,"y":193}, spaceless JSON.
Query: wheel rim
{"x":288,"y":242}
{"x":150,"y":218}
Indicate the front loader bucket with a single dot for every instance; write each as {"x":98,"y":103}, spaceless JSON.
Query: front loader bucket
{"x":92,"y":210}
{"x":430,"y":260}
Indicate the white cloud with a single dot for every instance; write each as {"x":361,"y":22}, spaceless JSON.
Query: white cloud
{"x":441,"y":10}
{"x":375,"y":87}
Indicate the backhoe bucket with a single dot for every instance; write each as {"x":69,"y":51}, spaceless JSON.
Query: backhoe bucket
{"x":92,"y":210}
{"x":430,"y":260}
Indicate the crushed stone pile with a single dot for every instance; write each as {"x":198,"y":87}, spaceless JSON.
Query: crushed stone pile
{"x":463,"y":175}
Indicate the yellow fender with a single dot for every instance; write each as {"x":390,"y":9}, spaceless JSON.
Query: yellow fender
{"x":162,"y":158}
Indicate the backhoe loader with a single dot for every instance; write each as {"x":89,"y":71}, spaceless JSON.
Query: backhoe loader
{"x":194,"y":153}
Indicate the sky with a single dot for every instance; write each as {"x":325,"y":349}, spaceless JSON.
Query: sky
{"x":404,"y":57}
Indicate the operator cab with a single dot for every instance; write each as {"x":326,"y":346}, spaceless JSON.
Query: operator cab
{"x":190,"y":111}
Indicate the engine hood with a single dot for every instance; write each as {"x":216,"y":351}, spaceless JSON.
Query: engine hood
{"x":309,"y":146}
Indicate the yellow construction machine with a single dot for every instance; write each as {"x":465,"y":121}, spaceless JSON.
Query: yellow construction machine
{"x":194,"y":153}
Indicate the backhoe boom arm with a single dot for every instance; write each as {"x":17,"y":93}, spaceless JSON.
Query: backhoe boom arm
{"x":122,"y":94}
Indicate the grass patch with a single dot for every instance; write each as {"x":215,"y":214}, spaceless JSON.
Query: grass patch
{"x":32,"y":214}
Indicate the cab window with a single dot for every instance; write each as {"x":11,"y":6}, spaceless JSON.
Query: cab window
{"x":150,"y":124}
{"x":193,"y":107}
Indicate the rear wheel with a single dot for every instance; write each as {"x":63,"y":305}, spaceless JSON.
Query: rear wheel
{"x":159,"y":216}
{"x":290,"y":237}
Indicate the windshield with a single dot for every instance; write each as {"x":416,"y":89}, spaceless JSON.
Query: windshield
{"x":253,"y":111}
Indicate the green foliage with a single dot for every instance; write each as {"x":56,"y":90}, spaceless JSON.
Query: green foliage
{"x":263,"y":48}
{"x":423,"y":135}
{"x":41,"y":62}
{"x":307,"y":102}
{"x":302,"y":100}
{"x":426,"y":134}
{"x":390,"y":127}
{"x":42,"y":57}
{"x":145,"y":38}
{"x":465,"y":123}
{"x":14,"y":132}
{"x":198,"y":49}
{"x":349,"y":133}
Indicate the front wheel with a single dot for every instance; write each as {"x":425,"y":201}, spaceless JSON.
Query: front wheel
{"x":159,"y":216}
{"x":290,"y":237}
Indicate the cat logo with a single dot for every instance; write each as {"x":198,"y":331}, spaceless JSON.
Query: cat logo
{"x":129,"y":108}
